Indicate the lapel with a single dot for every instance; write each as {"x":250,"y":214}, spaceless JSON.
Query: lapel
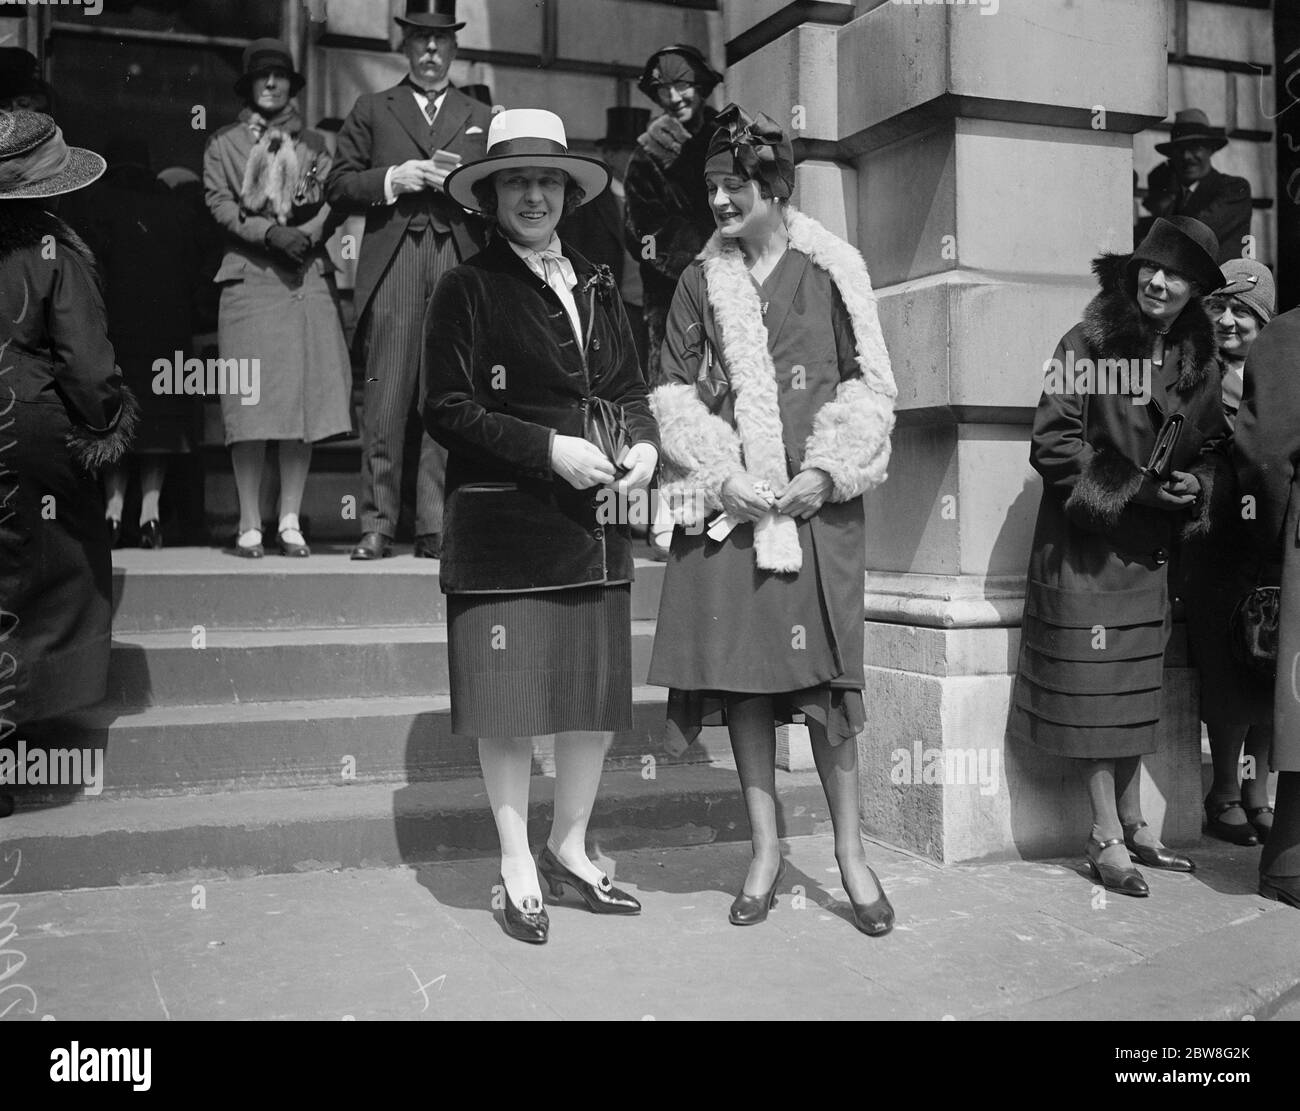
{"x":401,"y":102}
{"x":513,"y":264}
{"x":780,"y":305}
{"x":456,"y":108}
{"x":585,"y":301}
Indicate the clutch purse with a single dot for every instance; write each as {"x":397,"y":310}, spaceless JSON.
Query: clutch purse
{"x":606,"y":428}
{"x":1159,"y":465}
{"x":1252,"y":631}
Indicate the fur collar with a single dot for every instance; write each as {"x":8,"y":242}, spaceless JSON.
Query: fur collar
{"x":1116,"y":328}
{"x":738,"y":313}
{"x":25,"y":224}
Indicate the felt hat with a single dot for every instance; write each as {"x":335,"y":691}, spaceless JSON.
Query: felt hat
{"x":526,"y":137}
{"x":1192,"y":128}
{"x":753,"y":147}
{"x":260,"y":57}
{"x":35,"y":161}
{"x":1182,"y":244}
{"x":1251,"y":283}
{"x":678,"y":62}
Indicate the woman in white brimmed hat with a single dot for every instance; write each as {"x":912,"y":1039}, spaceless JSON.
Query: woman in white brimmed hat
{"x":68,"y":414}
{"x":526,"y":345}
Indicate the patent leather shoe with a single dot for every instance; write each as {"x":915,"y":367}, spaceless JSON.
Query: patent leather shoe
{"x":1158,"y":857}
{"x":373,"y":545}
{"x":1281,"y":889}
{"x":291,"y":547}
{"x":749,"y":910}
{"x":875,"y":919}
{"x":1235,"y":833}
{"x":601,"y":898}
{"x":1126,"y":881}
{"x":530,"y":923}
{"x":1263,"y":826}
{"x":428,"y":546}
{"x":151,"y":536}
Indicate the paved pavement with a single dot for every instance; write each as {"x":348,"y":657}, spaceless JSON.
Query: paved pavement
{"x":1008,"y":940}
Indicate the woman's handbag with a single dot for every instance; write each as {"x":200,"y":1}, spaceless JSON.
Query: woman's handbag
{"x":1253,"y":631}
{"x":605,"y":427}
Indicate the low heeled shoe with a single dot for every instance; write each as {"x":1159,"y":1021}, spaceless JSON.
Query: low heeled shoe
{"x":749,"y":910}
{"x":1159,"y":856}
{"x":529,"y":923}
{"x":875,"y":919}
{"x":601,"y":898}
{"x":1125,"y":881}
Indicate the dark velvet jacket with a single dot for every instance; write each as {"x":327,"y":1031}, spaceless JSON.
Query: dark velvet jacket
{"x":502,"y":373}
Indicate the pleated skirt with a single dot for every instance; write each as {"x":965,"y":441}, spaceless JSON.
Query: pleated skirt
{"x":530,"y":664}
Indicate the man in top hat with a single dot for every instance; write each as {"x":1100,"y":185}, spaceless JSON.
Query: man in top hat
{"x":20,"y":82}
{"x":668,"y":215}
{"x":1189,"y":185}
{"x":386,"y":170}
{"x":596,"y":228}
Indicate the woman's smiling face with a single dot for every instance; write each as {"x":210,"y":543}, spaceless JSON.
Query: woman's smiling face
{"x":530,"y":202}
{"x":739,"y":208}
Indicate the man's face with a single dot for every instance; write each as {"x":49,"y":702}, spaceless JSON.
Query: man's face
{"x":1192,"y":162}
{"x":430,"y":54}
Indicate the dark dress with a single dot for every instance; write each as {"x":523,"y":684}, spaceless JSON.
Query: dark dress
{"x":724,"y":625}
{"x":538,"y":583}
{"x":56,"y":370}
{"x":1097,"y":600}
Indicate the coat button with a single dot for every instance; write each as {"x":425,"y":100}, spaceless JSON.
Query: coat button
{"x":1161,"y":556}
{"x":598,"y":534}
{"x":595,"y":345}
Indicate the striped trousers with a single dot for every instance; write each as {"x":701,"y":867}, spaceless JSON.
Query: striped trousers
{"x":394,"y":335}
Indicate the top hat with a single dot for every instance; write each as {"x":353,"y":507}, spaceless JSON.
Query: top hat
{"x":418,"y":17}
{"x":623,"y":125}
{"x":1182,"y":244}
{"x":704,"y":74}
{"x":18,"y":70}
{"x":1192,"y":127}
{"x":481,"y":93}
{"x":526,"y":137}
{"x":263,"y":55}
{"x":36,"y":162}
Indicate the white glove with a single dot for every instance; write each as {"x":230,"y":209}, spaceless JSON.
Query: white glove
{"x":580,"y":463}
{"x":640,"y":462}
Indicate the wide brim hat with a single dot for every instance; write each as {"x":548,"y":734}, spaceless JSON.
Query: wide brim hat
{"x":1184,"y":245}
{"x":1191,"y":127}
{"x":706,"y":77}
{"x":35,"y":162}
{"x":263,"y":55}
{"x":522,"y":137}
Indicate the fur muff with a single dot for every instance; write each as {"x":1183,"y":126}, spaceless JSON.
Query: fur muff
{"x":1115,"y":327}
{"x":271,"y":176}
{"x":93,"y":450}
{"x":1102,"y":493}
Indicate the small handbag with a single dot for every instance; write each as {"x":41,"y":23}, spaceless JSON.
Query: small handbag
{"x":607,"y":429}
{"x":1253,"y":631}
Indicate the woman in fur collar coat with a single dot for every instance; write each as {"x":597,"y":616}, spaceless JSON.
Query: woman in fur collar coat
{"x":1097,"y":608}
{"x":66,"y":413}
{"x":264,"y":179}
{"x":776,"y":410}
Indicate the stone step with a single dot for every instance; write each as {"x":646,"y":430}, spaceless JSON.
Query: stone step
{"x":149,"y":840}
{"x":178,"y":588}
{"x":248,"y":746}
{"x":282,"y":665}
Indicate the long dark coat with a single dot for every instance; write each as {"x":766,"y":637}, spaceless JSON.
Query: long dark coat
{"x":1267,"y":455}
{"x":1220,"y":201}
{"x":502,"y":373}
{"x":385,"y":129}
{"x":1097,"y":612}
{"x":57,"y":373}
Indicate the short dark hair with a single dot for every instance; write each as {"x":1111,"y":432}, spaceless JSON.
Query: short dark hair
{"x":485,"y":192}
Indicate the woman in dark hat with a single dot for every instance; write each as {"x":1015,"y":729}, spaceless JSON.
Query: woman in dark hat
{"x":527,"y":349}
{"x":1219,"y":570}
{"x":68,"y":414}
{"x":776,"y":412}
{"x":1112,"y":516}
{"x":265,"y":178}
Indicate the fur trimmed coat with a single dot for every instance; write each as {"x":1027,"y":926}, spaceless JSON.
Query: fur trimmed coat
{"x":771,"y":381}
{"x":1097,"y":613}
{"x":64,"y":413}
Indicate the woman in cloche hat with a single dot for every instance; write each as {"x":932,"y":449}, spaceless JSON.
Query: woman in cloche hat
{"x":1112,"y":516}
{"x":68,"y":414}
{"x":265,"y":177}
{"x":531,"y":383}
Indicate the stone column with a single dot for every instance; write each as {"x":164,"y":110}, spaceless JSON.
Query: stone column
{"x":979,"y":155}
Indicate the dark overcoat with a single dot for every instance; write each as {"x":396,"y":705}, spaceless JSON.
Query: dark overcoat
{"x":1267,"y":455}
{"x":385,"y":129}
{"x":1097,"y":612}
{"x":58,"y":379}
{"x":1220,"y":201}
{"x":502,"y":374}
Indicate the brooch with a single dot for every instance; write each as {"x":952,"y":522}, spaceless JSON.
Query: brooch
{"x":601,"y":281}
